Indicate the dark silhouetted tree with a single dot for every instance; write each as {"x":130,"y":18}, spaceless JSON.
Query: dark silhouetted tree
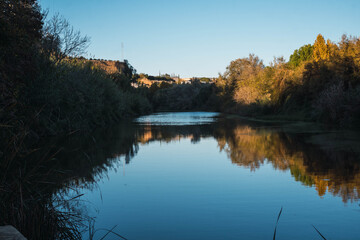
{"x":61,"y":40}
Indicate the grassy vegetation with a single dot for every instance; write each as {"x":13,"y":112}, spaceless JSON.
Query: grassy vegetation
{"x":75,"y":95}
{"x":31,"y":201}
{"x":34,"y":187}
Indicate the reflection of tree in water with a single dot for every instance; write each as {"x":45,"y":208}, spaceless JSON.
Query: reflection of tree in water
{"x":171,"y":133}
{"x":337,"y":172}
{"x":34,"y":187}
{"x":88,"y":158}
{"x":79,"y":161}
{"x":39,"y":188}
{"x":248,"y":145}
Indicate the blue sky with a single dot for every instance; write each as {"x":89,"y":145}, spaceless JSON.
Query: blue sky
{"x":200,"y":38}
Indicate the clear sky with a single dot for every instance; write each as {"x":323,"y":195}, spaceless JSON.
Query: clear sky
{"x":201,"y":37}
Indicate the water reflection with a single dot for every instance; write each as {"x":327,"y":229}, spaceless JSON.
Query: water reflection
{"x":87,"y":159}
{"x":250,"y":145}
{"x":35,"y":188}
{"x":79,"y":161}
{"x":336,"y":171}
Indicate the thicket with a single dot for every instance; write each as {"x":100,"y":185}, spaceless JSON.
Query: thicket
{"x":74,"y":95}
{"x":45,"y":88}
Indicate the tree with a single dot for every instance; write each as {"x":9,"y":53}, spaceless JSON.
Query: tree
{"x":321,"y":49}
{"x":242,"y":70}
{"x":20,"y":34}
{"x":61,"y":40}
{"x":20,"y":31}
{"x":304,"y":53}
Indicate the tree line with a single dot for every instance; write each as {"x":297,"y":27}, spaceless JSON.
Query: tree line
{"x":320,"y":82}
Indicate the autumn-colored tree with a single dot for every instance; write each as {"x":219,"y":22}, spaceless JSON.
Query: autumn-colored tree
{"x":333,"y":49}
{"x":321,"y":49}
{"x":247,"y":87}
{"x":242,"y":69}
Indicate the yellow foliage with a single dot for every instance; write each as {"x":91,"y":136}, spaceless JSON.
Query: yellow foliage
{"x":321,"y":49}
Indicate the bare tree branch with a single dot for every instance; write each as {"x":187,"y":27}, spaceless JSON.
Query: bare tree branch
{"x":60,"y":38}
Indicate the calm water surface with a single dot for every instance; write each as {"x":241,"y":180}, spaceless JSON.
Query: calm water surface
{"x":193,"y":176}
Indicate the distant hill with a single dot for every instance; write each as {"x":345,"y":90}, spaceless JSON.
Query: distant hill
{"x":110,"y":66}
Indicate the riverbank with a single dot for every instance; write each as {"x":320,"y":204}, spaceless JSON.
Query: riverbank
{"x":291,"y":118}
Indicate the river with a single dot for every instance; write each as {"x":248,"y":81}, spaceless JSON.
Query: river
{"x":199,"y":175}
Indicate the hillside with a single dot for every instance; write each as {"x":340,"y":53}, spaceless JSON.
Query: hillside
{"x":110,"y":66}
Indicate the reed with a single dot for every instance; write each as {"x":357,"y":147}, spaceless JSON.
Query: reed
{"x":277,"y":221}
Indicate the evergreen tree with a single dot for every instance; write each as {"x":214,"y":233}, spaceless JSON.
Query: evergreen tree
{"x":305,"y":53}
